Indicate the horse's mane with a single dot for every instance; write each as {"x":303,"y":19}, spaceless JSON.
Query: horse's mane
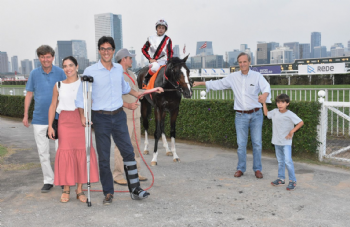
{"x":174,"y":68}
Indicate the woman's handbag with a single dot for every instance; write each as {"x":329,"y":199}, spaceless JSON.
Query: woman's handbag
{"x":55,"y":128}
{"x":55,"y":121}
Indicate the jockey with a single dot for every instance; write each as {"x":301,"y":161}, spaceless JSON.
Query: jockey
{"x":158,"y":49}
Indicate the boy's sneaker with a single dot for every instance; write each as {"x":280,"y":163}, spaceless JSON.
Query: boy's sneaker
{"x":278,"y":182}
{"x":292,"y":185}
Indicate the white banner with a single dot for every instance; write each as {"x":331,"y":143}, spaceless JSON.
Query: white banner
{"x":194,"y":73}
{"x":215,"y":72}
{"x":322,"y":68}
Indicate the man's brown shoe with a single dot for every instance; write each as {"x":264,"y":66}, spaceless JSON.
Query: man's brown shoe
{"x":108,"y":199}
{"x":142,"y":178}
{"x":238,"y":173}
{"x":258,"y":174}
{"x":121,"y":182}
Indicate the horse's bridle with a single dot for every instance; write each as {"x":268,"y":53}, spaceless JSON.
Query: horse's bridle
{"x":177,"y":85}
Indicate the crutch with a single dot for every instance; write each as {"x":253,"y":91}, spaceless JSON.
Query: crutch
{"x":87,"y":89}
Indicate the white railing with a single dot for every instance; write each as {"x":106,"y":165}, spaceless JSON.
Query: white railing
{"x":12,"y":90}
{"x":334,"y":130}
{"x":295,"y":94}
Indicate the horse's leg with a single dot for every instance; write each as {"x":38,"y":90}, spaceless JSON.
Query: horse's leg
{"x":165,"y":143}
{"x":173,"y":116}
{"x":157,"y":134}
{"x":144,"y":115}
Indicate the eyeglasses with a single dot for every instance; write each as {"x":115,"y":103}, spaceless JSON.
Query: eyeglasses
{"x":109,"y":49}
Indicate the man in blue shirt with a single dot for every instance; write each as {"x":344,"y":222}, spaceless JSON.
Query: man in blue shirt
{"x":41,"y":82}
{"x":109,"y":119}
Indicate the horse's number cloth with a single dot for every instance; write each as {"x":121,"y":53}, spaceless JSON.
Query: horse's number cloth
{"x":153,"y":79}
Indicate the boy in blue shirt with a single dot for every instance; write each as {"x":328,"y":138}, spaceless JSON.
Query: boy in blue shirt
{"x":283,"y":122}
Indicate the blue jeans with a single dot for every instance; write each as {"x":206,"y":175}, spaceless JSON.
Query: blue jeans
{"x":284,"y":158}
{"x":245,"y":122}
{"x":106,"y":125}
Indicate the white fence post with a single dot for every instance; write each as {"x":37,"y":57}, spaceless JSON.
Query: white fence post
{"x":203,"y":95}
{"x":322,"y":127}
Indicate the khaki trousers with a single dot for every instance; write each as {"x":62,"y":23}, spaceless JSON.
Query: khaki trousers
{"x":118,"y":171}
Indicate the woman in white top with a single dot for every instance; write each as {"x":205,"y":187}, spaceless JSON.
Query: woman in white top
{"x":70,"y":161}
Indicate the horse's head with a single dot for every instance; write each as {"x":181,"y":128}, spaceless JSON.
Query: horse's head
{"x":179,"y":76}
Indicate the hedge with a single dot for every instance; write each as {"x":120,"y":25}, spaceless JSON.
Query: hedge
{"x":213,"y":121}
{"x":13,"y":106}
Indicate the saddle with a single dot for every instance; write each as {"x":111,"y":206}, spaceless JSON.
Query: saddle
{"x":150,"y":84}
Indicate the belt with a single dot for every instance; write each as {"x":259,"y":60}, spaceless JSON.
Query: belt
{"x":248,"y":111}
{"x":109,"y":112}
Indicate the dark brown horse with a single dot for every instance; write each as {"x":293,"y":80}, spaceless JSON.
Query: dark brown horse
{"x":174,"y":79}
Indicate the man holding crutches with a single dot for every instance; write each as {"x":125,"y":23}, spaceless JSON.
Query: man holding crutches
{"x":109,"y":119}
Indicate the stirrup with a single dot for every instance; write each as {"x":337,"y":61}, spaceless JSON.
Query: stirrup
{"x":138,"y":193}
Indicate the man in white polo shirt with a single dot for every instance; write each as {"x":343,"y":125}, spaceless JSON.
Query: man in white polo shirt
{"x":246,"y":85}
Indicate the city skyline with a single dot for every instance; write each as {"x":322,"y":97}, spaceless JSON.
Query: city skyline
{"x":79,"y":24}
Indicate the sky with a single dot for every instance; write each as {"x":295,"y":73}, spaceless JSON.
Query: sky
{"x":27,"y":24}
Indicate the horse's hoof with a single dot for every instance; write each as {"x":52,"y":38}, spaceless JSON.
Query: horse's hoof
{"x":153,"y":163}
{"x":169,"y":153}
{"x":176,"y":160}
{"x":146,"y":152}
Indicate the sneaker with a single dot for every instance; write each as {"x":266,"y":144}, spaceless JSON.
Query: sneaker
{"x":108,"y":199}
{"x":292,"y":185}
{"x":46,"y":188}
{"x":138,"y":193}
{"x":278,"y":182}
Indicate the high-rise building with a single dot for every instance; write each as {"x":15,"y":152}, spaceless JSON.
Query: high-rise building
{"x":79,"y":48}
{"x":214,"y":61}
{"x":320,"y":52}
{"x":108,"y":24}
{"x":243,"y":47}
{"x":196,"y":62}
{"x":337,"y":45}
{"x":250,"y":53}
{"x":37,"y":63}
{"x":4,"y":62}
{"x":295,"y":47}
{"x":337,"y":52}
{"x":201,"y":50}
{"x":176,"y":51}
{"x":263,"y":53}
{"x":27,"y":66}
{"x":56,"y":63}
{"x":64,"y":50}
{"x":83,"y":63}
{"x":232,"y":57}
{"x":349,"y":44}
{"x":14,"y":61}
{"x":315,"y":41}
{"x":304,"y":50}
{"x":9,"y":68}
{"x":134,"y":62}
{"x":274,"y":45}
{"x":282,"y":55}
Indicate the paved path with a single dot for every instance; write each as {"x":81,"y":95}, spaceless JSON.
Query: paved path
{"x":198,"y":191}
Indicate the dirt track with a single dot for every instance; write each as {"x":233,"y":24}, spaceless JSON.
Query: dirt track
{"x":198,"y":191}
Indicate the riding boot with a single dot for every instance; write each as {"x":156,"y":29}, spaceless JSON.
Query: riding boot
{"x":136,"y":192}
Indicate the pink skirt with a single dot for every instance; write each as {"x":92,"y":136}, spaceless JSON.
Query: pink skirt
{"x":70,"y":162}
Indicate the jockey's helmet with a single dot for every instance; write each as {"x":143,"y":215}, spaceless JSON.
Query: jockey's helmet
{"x":162,"y":22}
